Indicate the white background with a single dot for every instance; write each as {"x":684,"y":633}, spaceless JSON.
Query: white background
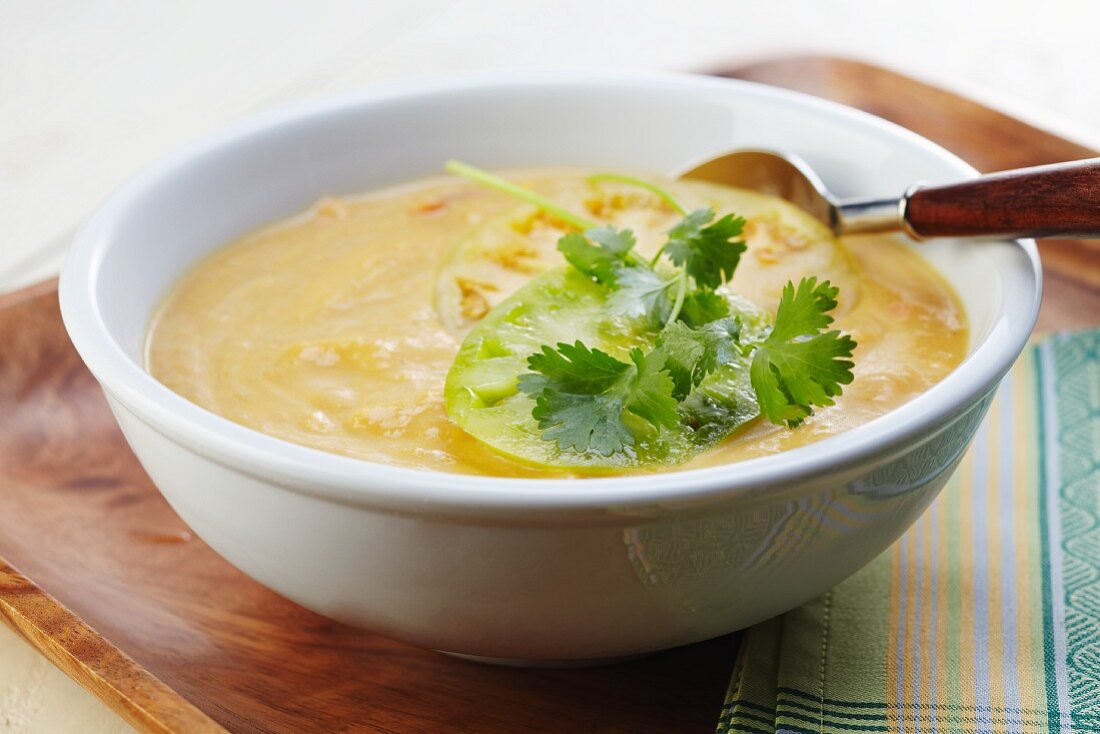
{"x":90,"y":92}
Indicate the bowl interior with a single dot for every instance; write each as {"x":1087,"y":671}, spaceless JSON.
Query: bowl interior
{"x":164,"y":222}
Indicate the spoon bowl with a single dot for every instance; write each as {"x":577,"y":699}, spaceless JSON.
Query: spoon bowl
{"x":769,"y":172}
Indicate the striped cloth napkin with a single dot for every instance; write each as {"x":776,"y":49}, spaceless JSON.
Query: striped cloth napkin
{"x":985,"y":616}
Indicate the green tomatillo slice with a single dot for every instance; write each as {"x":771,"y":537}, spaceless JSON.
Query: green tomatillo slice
{"x":492,"y":393}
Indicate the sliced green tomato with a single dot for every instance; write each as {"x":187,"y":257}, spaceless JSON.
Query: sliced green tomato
{"x":784,"y":244}
{"x":562,"y":305}
{"x":491,"y":264}
{"x":505,"y":252}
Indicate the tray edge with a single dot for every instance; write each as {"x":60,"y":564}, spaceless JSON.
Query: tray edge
{"x":131,"y":691}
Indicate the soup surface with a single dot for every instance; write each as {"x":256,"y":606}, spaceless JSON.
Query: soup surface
{"x":336,"y":329}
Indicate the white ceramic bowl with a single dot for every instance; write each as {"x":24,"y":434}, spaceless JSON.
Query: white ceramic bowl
{"x":511,"y":568}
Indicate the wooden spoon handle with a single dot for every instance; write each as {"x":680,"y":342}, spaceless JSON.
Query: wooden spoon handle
{"x":1059,"y":200}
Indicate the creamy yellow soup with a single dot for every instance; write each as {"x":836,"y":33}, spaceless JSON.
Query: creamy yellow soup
{"x":335,"y":329}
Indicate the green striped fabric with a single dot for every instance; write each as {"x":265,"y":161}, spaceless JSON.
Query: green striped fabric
{"x":985,"y":616}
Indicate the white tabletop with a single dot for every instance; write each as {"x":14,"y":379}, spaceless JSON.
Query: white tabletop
{"x":92,"y":92}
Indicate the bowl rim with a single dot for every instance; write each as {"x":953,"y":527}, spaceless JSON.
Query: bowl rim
{"x":360,"y":482}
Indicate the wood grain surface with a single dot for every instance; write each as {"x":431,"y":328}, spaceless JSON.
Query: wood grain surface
{"x":113,"y":588}
{"x":1055,"y":200}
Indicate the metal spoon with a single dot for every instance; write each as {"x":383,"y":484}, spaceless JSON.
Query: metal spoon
{"x":1058,"y":200}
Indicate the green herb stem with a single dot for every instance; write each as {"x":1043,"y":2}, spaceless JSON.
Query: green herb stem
{"x":485,"y":178}
{"x":657,"y":256}
{"x":632,"y":181}
{"x":681,"y":293}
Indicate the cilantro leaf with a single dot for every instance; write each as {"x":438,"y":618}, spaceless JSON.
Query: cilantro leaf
{"x":599,"y":261}
{"x":581,"y":396}
{"x":687,"y":356}
{"x":692,"y":354}
{"x":799,"y":365}
{"x":702,"y":306}
{"x":642,"y":292}
{"x":575,"y":403}
{"x":724,"y":336}
{"x":583,"y":422}
{"x":650,"y":395}
{"x":576,"y":368}
{"x":617,"y":241}
{"x":709,"y":253}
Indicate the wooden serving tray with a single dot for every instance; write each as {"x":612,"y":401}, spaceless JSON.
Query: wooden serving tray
{"x":113,"y":588}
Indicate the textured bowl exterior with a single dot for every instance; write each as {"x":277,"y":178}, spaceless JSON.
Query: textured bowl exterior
{"x":528,"y":569}
{"x":531,"y":592}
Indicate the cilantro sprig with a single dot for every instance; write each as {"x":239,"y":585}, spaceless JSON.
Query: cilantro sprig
{"x":708,"y":252}
{"x":800,"y":365}
{"x":588,"y":401}
{"x":585,"y":398}
{"x":600,"y":253}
